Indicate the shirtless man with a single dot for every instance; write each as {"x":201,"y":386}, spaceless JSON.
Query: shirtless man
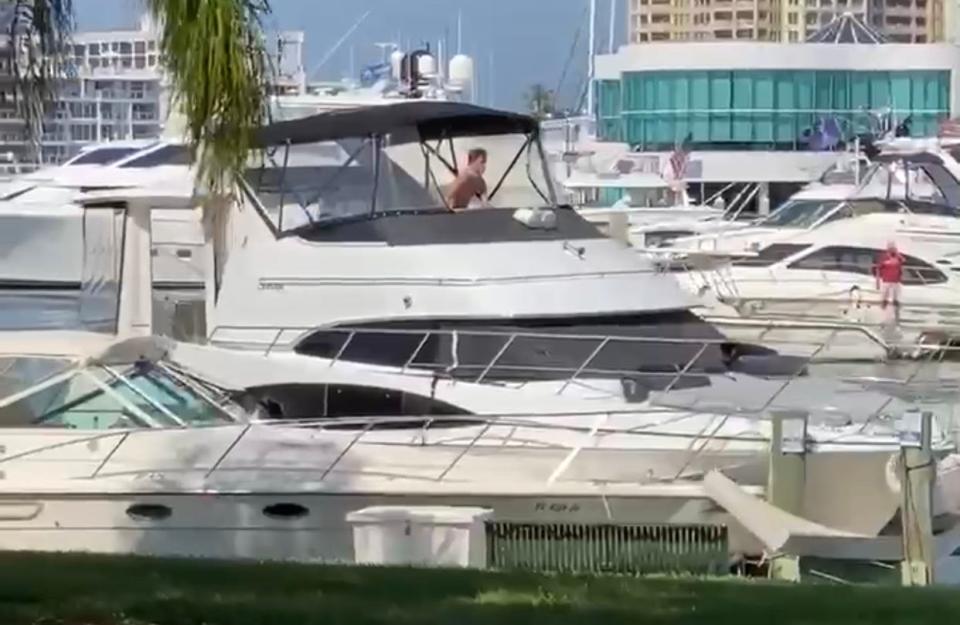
{"x":469,"y":184}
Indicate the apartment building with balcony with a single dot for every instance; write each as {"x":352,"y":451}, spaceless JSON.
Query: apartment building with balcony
{"x":113,"y":88}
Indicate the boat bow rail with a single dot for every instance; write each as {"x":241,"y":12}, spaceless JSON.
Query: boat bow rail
{"x":554,"y":443}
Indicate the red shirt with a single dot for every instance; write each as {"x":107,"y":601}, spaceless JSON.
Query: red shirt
{"x":889,"y":267}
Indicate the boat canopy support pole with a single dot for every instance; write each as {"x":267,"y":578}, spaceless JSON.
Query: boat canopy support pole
{"x":917,"y":474}
{"x":135,"y":316}
{"x":787,"y":478}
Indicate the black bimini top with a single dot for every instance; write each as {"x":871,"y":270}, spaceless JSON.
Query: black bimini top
{"x":431,"y":120}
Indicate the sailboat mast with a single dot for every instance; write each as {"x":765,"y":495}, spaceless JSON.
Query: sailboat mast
{"x":591,"y":61}
{"x":613,"y":26}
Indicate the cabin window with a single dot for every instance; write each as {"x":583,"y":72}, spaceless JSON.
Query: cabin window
{"x":103,"y":156}
{"x":400,"y":409}
{"x":149,"y":512}
{"x":663,"y":237}
{"x":285,"y":511}
{"x":770,"y":255}
{"x":798,"y":214}
{"x":861,"y":260}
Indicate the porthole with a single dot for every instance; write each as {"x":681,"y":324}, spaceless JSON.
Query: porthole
{"x":285,"y":511}
{"x":149,"y":512}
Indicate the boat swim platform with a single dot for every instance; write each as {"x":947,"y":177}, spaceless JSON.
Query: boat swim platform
{"x":782,"y":534}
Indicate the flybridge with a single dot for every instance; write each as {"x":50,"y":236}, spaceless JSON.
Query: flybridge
{"x":391,"y":160}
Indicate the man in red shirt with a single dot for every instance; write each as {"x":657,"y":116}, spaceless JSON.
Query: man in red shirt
{"x":889,"y":273}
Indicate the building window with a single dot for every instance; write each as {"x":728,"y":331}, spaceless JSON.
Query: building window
{"x":792,"y":18}
{"x":140,"y":47}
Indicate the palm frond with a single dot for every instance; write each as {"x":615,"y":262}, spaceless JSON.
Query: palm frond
{"x":39,"y":32}
{"x":215,"y":55}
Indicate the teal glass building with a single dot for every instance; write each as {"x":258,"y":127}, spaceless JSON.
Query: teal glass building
{"x":767,"y":96}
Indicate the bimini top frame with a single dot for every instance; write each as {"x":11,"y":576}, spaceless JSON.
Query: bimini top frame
{"x":363,"y":182}
{"x":432,"y":121}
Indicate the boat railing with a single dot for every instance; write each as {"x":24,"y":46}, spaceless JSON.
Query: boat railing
{"x":730,"y":288}
{"x":496,"y":434}
{"x":687,"y":359}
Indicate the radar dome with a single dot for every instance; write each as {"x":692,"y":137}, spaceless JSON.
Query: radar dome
{"x":461,"y":70}
{"x":396,"y":62}
{"x":427,"y":65}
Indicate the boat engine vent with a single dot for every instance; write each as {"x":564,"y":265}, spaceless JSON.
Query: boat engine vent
{"x":625,"y":549}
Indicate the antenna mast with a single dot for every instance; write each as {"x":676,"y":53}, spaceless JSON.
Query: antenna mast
{"x":591,"y":61}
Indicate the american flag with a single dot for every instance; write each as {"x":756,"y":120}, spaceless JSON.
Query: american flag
{"x":949,"y":128}
{"x":680,"y":157}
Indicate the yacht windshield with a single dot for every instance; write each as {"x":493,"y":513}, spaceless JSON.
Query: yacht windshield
{"x":846,"y":172}
{"x":141,"y":395}
{"x":799,"y":214}
{"x":103,"y":156}
{"x":921,"y":179}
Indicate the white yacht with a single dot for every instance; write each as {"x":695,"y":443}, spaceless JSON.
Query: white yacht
{"x":812,"y":259}
{"x":345,"y":228}
{"x":144,"y":445}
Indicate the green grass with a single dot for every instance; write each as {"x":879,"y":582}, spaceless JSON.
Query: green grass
{"x":95,"y":590}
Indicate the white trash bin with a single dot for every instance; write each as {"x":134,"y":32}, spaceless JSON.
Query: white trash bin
{"x":432,"y":536}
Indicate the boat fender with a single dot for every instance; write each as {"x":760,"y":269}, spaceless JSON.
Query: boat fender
{"x":536,"y":218}
{"x":892,"y":473}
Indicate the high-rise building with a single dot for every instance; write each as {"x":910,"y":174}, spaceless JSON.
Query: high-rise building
{"x":909,"y":21}
{"x":904,"y":21}
{"x":113,"y":88}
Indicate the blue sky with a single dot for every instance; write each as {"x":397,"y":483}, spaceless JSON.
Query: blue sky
{"x":518,"y":42}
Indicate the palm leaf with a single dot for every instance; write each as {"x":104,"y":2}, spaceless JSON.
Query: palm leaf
{"x":39,"y":31}
{"x":214,"y":52}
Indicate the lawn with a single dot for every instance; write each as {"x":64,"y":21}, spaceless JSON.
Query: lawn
{"x":95,"y":590}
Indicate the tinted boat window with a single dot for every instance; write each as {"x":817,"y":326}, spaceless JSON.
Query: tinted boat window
{"x":167,"y":155}
{"x":103,"y":156}
{"x":770,"y":255}
{"x":401,"y":410}
{"x":860,"y":260}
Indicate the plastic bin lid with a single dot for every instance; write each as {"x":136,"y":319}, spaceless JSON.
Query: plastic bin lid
{"x":421,"y":514}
